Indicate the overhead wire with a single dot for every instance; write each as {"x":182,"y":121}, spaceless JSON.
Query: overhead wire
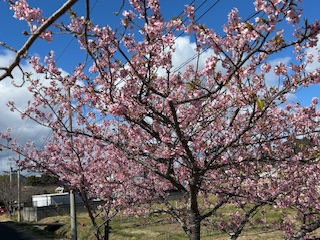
{"x":208,"y":10}
{"x":197,"y":9}
{"x":177,"y":68}
{"x":48,"y":137}
{"x":24,"y":125}
{"x":196,"y":20}
{"x":180,"y":15}
{"x":205,"y":49}
{"x":73,"y":37}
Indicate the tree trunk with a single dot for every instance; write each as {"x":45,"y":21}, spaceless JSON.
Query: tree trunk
{"x":106,"y":230}
{"x":194,"y":215}
{"x":194,"y":227}
{"x":91,"y":215}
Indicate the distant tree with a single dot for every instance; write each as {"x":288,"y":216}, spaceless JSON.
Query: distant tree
{"x":43,"y":180}
{"x":8,"y":192}
{"x":218,"y":134}
{"x":47,"y":180}
{"x":33,"y":181}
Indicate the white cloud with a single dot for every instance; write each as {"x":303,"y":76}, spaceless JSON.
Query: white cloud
{"x":291,"y":98}
{"x":271,"y":79}
{"x":185,"y":54}
{"x":28,"y":130}
{"x":314,"y":51}
{"x":25,"y":129}
{"x":185,"y":51}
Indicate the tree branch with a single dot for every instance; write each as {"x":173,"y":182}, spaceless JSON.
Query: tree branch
{"x":22,"y":52}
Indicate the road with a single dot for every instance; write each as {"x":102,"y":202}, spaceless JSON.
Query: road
{"x":9,"y":233}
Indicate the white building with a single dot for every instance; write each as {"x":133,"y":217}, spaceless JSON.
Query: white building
{"x":53,"y":199}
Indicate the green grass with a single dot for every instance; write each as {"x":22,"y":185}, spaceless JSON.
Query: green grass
{"x":161,"y":227}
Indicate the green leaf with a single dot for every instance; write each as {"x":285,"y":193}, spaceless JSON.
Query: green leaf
{"x":261,"y":104}
{"x":193,"y":84}
{"x":72,"y":13}
{"x":28,"y":74}
{"x":249,"y":26}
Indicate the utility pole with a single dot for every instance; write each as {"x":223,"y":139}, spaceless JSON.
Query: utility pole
{"x":18,"y":176}
{"x":10,"y":177}
{"x":73,"y":216}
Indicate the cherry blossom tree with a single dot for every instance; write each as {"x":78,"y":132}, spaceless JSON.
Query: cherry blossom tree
{"x":219,"y":134}
{"x":88,"y":166}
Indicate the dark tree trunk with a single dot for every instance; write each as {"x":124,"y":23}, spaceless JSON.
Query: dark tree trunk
{"x":86,"y":202}
{"x":106,"y":230}
{"x":194,"y":227}
{"x":194,"y":215}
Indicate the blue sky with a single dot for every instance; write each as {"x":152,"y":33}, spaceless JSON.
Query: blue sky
{"x":66,"y":49}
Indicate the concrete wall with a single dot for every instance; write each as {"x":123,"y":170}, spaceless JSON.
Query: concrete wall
{"x":34,"y":214}
{"x":29,"y":214}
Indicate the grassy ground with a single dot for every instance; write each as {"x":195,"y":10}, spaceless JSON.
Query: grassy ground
{"x":125,"y":228}
{"x":156,"y":228}
{"x":130,"y":228}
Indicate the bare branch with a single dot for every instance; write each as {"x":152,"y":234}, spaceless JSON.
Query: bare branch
{"x":22,"y":52}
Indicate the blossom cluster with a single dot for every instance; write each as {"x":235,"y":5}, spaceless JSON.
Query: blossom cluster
{"x":214,"y":129}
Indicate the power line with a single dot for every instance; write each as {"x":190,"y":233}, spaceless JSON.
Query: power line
{"x":206,"y":48}
{"x":71,"y":40}
{"x":197,"y":9}
{"x":177,"y":68}
{"x":65,"y":49}
{"x":60,"y":55}
{"x":208,"y":10}
{"x":24,"y":125}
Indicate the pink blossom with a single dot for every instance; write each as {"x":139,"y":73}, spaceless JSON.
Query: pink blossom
{"x":280,"y":69}
{"x":315,"y":100}
{"x":117,"y":109}
{"x":22,"y":11}
{"x":293,"y":16}
{"x":35,"y":62}
{"x":47,"y":35}
{"x":189,"y":9}
{"x":140,"y":126}
{"x":260,"y":5}
{"x":265,"y":67}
